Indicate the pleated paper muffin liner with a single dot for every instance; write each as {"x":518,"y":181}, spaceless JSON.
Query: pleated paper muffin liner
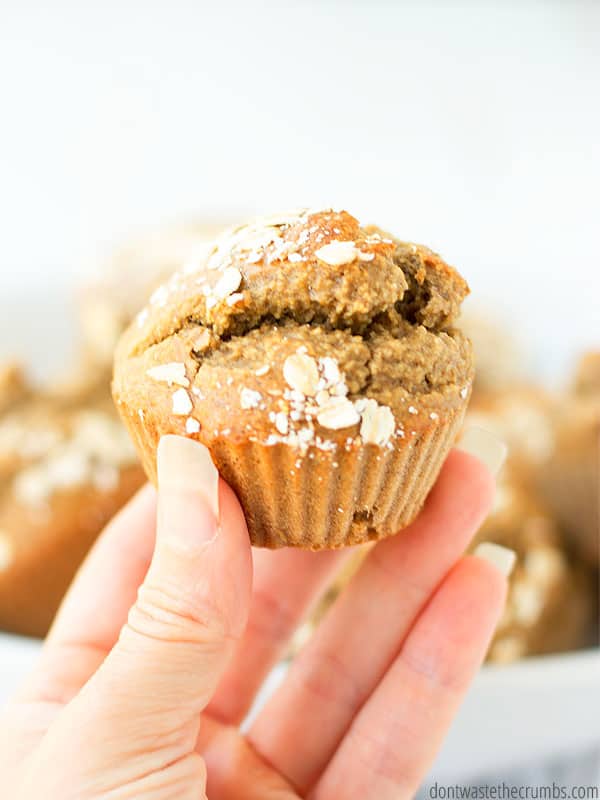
{"x":323,"y":499}
{"x":338,"y":498}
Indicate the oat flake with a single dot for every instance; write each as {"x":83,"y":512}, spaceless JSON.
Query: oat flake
{"x":228,"y":283}
{"x":171,"y":373}
{"x":301,"y":373}
{"x":337,"y":253}
{"x":338,"y":413}
{"x":192,"y":425}
{"x":182,"y":404}
{"x":377,"y":424}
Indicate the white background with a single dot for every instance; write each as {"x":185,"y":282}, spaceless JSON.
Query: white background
{"x":471,"y":127}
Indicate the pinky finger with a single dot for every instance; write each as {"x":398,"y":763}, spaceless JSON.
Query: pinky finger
{"x":393,"y":740}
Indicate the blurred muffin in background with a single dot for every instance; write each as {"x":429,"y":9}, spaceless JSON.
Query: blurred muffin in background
{"x":551,"y":603}
{"x":123,"y":283}
{"x":66,"y":466}
{"x":551,"y":598}
{"x":499,"y":361}
{"x":570,"y":479}
{"x":586,"y":381}
{"x":519,"y":412}
{"x":522,"y":416}
{"x":13,"y":385}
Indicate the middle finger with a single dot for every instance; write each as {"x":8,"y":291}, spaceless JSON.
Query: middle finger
{"x":301,"y":726}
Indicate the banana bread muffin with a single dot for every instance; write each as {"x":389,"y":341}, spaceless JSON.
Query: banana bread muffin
{"x":65,"y":468}
{"x":318,"y":361}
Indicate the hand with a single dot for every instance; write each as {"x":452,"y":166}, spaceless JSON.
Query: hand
{"x":142,"y":697}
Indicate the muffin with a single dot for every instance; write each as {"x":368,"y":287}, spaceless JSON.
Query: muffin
{"x":499,"y":360}
{"x":13,"y":385}
{"x":551,"y":598}
{"x":125,"y":281}
{"x":522,"y":415}
{"x":569,"y":480}
{"x":318,"y":362}
{"x":65,"y":468}
{"x":586,"y":382}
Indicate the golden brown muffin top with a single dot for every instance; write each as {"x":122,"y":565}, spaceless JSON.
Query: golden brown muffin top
{"x":302,"y":325}
{"x":311,"y":267}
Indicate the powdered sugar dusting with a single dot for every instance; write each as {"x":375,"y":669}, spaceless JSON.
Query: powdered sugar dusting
{"x":249,"y":398}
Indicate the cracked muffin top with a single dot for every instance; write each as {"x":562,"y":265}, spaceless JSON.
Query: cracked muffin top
{"x":302,"y":328}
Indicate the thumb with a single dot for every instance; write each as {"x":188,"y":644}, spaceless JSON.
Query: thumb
{"x":192,"y":606}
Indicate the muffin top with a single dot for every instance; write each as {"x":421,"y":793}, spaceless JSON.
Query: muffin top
{"x":305,"y":328}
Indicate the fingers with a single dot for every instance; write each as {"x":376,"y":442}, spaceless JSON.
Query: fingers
{"x":233,"y":768}
{"x":285,"y":584}
{"x":106,"y":585}
{"x":190,"y":610}
{"x":96,"y":606}
{"x":304,"y":722}
{"x":394,"y":738}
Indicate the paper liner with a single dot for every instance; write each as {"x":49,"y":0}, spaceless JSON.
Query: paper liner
{"x":323,"y":499}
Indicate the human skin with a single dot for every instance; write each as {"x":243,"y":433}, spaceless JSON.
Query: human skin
{"x":163,"y":641}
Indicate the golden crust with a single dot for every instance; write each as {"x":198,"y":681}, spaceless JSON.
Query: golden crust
{"x":312,"y":267}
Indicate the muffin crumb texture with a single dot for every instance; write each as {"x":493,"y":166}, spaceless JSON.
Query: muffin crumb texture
{"x":305,"y":338}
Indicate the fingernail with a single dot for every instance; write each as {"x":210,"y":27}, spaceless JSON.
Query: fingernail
{"x":186,"y":465}
{"x":188,"y":490}
{"x":485,"y":446}
{"x":503,"y":558}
